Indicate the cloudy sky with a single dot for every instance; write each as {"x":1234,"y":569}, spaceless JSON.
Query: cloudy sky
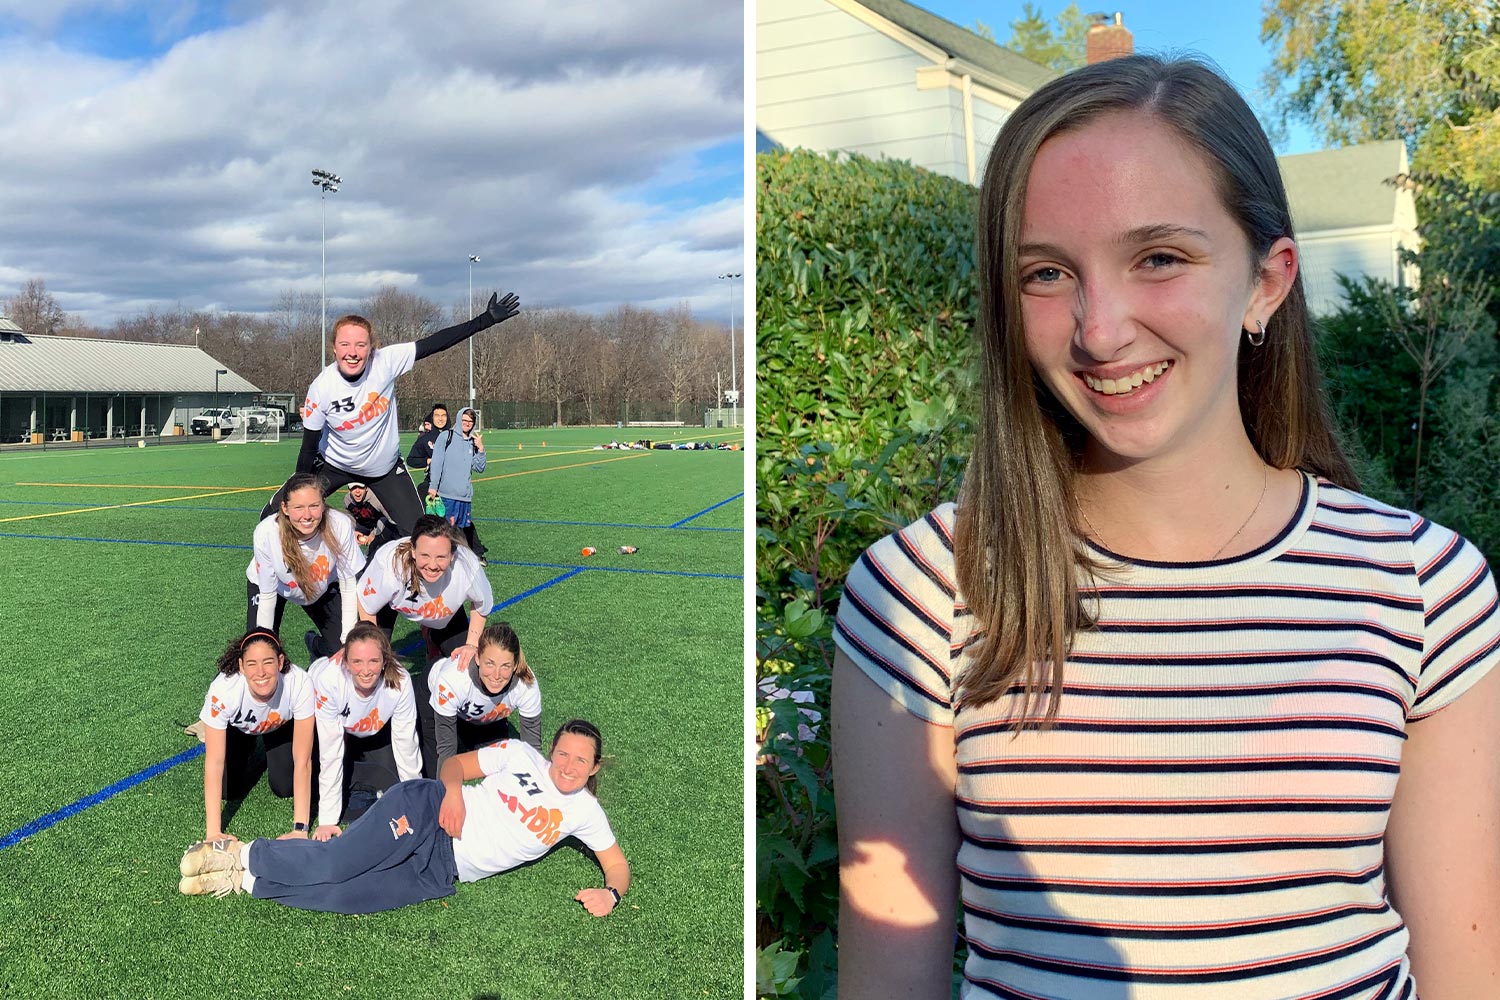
{"x":160,"y":152}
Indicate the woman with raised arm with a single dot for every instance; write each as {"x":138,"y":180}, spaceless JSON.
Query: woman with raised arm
{"x":1141,"y":700}
{"x":354,"y":401}
{"x":422,"y":836}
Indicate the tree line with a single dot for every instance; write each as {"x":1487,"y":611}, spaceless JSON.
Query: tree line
{"x":554,"y":365}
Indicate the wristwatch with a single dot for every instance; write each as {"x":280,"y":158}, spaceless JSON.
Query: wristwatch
{"x":299,"y":827}
{"x":613,"y":892}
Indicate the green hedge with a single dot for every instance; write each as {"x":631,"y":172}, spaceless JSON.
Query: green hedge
{"x":865,"y":296}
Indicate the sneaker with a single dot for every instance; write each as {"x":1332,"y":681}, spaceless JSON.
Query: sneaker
{"x":211,"y":856}
{"x":220,"y":884}
{"x":483,"y":561}
{"x":196,"y":729}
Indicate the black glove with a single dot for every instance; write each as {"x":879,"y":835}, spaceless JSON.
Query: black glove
{"x":500,"y":309}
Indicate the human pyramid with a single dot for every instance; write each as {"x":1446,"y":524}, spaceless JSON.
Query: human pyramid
{"x":393,"y":750}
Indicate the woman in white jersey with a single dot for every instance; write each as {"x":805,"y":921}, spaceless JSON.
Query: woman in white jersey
{"x":367,"y":727}
{"x":309,"y":555}
{"x":1140,"y":701}
{"x":257,"y":695}
{"x":353,"y":400}
{"x":424,"y":835}
{"x":495,"y":698}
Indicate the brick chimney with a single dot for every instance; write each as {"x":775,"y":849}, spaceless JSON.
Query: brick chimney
{"x":1106,"y":40}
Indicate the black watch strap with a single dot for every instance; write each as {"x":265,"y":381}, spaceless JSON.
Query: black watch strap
{"x":299,"y":827}
{"x":613,"y":892}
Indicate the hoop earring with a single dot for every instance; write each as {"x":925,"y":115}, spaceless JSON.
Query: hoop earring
{"x":1259,"y":336}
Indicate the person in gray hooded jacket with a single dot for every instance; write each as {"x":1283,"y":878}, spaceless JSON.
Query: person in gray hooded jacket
{"x":457,"y":454}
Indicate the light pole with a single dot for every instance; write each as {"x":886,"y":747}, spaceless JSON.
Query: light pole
{"x":734,"y":385}
{"x":327,"y":182}
{"x":217,"y":415}
{"x":473,"y":259}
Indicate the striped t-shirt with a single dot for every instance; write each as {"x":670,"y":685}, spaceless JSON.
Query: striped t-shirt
{"x":1205,"y":819}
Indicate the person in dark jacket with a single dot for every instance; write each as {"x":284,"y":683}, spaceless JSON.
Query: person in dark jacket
{"x":369,"y":516}
{"x":420,"y":456}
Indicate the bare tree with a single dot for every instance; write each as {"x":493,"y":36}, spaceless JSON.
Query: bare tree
{"x":34,"y":309}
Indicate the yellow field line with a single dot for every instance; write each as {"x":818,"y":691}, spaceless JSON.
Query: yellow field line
{"x":134,"y":486}
{"x":559,"y":468}
{"x":138,"y":503}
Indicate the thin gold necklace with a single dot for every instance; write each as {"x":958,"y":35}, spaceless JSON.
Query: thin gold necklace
{"x":1265,"y":482}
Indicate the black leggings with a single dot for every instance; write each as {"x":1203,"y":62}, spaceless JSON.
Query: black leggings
{"x":240,"y":775}
{"x":394,"y":490}
{"x":369,"y":767}
{"x":327,"y":614}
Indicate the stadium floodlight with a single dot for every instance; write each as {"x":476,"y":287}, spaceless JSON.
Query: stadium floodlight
{"x":734,"y":384}
{"x":217,"y":373}
{"x":327,"y":182}
{"x":473,"y":259}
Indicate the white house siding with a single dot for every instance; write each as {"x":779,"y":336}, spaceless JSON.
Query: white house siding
{"x":827,"y":81}
{"x":1372,"y":253}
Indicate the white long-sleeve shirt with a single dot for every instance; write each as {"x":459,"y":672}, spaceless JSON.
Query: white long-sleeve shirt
{"x":341,"y":710}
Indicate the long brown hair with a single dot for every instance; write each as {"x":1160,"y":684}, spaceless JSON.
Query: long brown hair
{"x":291,"y":542}
{"x":502,"y":635}
{"x":1017,"y":534}
{"x":390,"y":666}
{"x":404,"y":561}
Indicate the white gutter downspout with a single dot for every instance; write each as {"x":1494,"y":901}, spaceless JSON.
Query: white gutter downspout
{"x":969,"y":124}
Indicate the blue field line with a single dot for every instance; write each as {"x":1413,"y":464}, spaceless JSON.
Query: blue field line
{"x":53,"y":818}
{"x":491,"y":520}
{"x":493,"y":562}
{"x":125,"y":784}
{"x":707,"y":509}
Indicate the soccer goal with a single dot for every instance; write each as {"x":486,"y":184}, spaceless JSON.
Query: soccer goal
{"x":254,"y":426}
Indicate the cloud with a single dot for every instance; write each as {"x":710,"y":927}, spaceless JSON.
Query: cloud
{"x":562,"y":142}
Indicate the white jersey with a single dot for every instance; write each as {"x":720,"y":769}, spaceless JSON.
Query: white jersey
{"x":435,"y":603}
{"x":455,"y":693}
{"x":230,"y":703}
{"x":341,"y":710}
{"x":363,"y":430}
{"x":517,"y":814}
{"x":268,"y":567}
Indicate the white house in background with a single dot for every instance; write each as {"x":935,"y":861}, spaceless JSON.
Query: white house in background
{"x":1349,"y":219}
{"x":884,"y":78}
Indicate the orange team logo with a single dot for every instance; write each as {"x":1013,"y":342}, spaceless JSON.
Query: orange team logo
{"x":444,"y":695}
{"x":272,"y":721}
{"x":369,"y":586}
{"x":307,"y":408}
{"x":400,"y":827}
{"x":498,"y":712}
{"x":545,"y":823}
{"x":318,"y":571}
{"x":320,"y":698}
{"x":215,"y":706}
{"x":374,"y":406}
{"x":369,"y":724}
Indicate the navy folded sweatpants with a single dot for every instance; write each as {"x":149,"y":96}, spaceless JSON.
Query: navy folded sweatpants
{"x":394,"y":855}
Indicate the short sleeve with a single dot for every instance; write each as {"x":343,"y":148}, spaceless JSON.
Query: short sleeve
{"x":1461,"y":635}
{"x":492,"y":759}
{"x":480,"y":592}
{"x":301,"y":691}
{"x":527,"y":698}
{"x":398,"y":359}
{"x":895,"y":621}
{"x":217,"y":709}
{"x":378,"y":584}
{"x":313,"y":415}
{"x":445,"y":690}
{"x":594,"y":830}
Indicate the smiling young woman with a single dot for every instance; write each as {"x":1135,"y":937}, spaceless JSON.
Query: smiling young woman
{"x":1141,"y":698}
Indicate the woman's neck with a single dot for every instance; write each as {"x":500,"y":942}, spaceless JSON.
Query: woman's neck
{"x":1186,"y":508}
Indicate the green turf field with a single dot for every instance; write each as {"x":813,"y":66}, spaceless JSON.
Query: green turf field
{"x":122,"y":576}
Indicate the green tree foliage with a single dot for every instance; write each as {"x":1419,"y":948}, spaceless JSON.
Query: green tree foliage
{"x":1425,"y":72}
{"x":1059,"y":46}
{"x":865,"y":294}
